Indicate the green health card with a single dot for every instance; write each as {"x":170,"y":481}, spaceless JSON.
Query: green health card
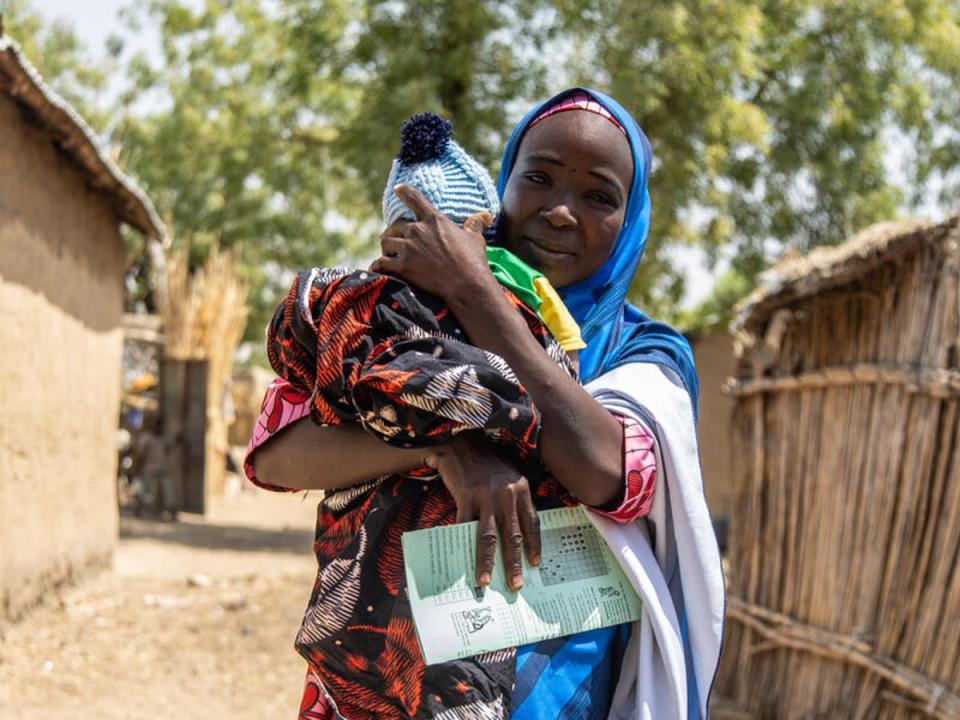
{"x":578,"y":586}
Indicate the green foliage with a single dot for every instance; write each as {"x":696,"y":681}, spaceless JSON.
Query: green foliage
{"x":236,"y":144}
{"x":270,"y":127}
{"x":466,"y":60}
{"x":273,"y":128}
{"x":777,"y":120}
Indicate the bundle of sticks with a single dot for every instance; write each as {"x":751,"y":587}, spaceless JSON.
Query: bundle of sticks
{"x":204,"y":317}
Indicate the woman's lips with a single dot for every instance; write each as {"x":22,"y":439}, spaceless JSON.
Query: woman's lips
{"x":548,"y":251}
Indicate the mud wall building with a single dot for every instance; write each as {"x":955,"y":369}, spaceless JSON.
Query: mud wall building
{"x":62,"y":263}
{"x":713,"y":354}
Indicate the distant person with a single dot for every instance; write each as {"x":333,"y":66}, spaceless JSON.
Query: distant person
{"x":151,"y":461}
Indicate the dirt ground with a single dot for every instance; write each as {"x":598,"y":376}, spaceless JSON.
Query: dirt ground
{"x":196,"y":619}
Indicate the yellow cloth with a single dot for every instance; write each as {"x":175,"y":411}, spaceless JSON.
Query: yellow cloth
{"x":556,"y":316}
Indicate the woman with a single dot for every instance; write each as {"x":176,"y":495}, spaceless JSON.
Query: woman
{"x":575,"y":206}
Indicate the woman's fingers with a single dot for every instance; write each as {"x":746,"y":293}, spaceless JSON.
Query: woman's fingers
{"x":529,"y":523}
{"x":391,"y":259}
{"x":392,"y":246}
{"x":486,"y":487}
{"x":465,"y":510}
{"x":398,"y":228}
{"x":511,"y":540}
{"x":486,"y":544}
{"x":478,"y":222}
{"x":414,"y":199}
{"x":386,"y":266}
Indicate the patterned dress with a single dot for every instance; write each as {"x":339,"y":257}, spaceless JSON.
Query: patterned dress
{"x":362,"y":347}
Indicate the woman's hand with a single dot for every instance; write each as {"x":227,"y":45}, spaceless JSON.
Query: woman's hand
{"x":580,"y":442}
{"x":430,"y":252}
{"x":491,"y":490}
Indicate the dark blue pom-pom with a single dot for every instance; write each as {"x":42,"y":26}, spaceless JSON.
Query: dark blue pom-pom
{"x":423,"y":137}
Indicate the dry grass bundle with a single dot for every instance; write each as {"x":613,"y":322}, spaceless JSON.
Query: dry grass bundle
{"x":845,"y":556}
{"x":204,"y":316}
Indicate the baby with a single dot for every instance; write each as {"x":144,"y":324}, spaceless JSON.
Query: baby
{"x":370,"y":348}
{"x":459,"y":187}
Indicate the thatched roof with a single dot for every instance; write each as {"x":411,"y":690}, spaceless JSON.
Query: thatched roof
{"x":20,"y":80}
{"x":829,"y":267}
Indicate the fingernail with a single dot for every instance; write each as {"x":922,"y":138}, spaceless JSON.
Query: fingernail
{"x":517,"y":582}
{"x":535,"y":560}
{"x":485,"y":579}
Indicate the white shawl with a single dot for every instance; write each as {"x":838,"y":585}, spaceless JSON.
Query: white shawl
{"x":671,"y":557}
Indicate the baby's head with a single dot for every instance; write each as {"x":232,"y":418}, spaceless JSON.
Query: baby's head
{"x":429,"y":160}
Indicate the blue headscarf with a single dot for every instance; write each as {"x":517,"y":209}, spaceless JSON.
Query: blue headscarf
{"x":616,"y":333}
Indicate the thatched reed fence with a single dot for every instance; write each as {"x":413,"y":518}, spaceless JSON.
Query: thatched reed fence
{"x":204,"y":315}
{"x":844,"y":563}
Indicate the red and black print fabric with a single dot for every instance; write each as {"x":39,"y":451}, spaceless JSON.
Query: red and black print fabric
{"x":373,"y":350}
{"x":369,"y":349}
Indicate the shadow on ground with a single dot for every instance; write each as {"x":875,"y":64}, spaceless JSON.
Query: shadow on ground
{"x":213,"y":536}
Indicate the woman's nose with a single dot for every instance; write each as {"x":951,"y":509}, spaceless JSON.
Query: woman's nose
{"x":559,"y":215}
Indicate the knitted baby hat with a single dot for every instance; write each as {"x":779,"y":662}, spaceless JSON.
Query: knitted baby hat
{"x":429,"y":160}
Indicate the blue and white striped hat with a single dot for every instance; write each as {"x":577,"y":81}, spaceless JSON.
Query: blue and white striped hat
{"x":429,"y":160}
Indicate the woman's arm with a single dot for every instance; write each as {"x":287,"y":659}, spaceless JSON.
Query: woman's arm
{"x":306,"y":456}
{"x":288,"y":451}
{"x":580,"y":441}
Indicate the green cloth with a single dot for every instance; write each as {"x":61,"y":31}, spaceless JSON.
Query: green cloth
{"x":513,"y":273}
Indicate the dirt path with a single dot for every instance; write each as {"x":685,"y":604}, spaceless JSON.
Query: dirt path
{"x":195,"y":620}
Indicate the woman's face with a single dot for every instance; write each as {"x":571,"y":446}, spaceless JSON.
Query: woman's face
{"x":565,"y":199}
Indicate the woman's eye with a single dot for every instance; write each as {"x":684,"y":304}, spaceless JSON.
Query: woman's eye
{"x":602,"y":198}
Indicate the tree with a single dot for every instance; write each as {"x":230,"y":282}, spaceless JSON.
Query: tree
{"x":272,"y":128}
{"x":468,"y":61}
{"x":776,"y":122}
{"x":231,"y":136}
{"x":269,"y":128}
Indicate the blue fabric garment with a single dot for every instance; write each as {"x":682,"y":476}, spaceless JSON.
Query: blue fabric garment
{"x":616,"y":333}
{"x":569,"y":678}
{"x":569,"y":675}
